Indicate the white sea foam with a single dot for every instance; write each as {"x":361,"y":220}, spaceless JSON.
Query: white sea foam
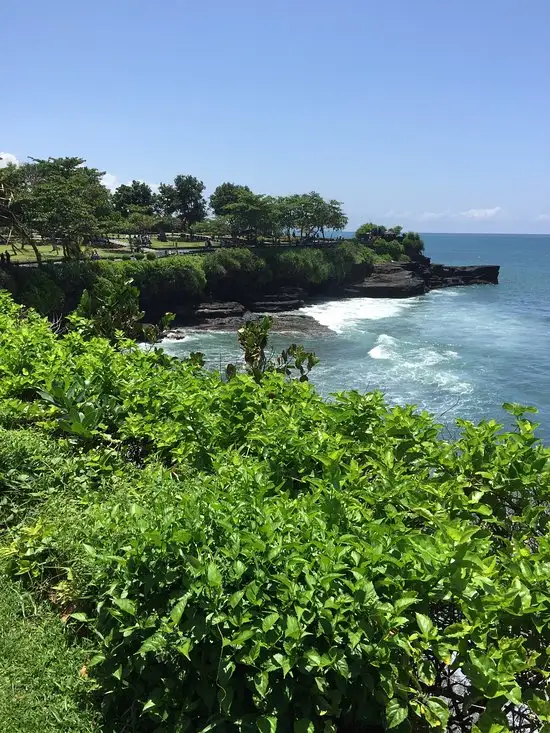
{"x":385,"y":347}
{"x":420,"y":365}
{"x":341,"y":314}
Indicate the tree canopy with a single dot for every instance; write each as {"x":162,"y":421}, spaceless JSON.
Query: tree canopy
{"x":60,"y":199}
{"x":225,"y":194}
{"x":63,"y":200}
{"x":183,"y":199}
{"x":137,"y":193}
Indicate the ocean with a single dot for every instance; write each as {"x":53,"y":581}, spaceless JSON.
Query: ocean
{"x":458,"y":352}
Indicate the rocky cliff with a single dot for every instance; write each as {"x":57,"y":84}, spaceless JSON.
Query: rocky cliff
{"x":387,"y":280}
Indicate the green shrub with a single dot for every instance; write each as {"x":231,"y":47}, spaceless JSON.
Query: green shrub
{"x":139,"y":256}
{"x":7,"y":281}
{"x":249,"y":556}
{"x":41,"y":292}
{"x":151,"y":256}
{"x":230,"y":273}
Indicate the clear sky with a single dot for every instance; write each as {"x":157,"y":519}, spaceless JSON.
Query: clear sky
{"x":430,"y":113}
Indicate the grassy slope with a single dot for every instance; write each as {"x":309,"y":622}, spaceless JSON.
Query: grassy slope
{"x":41,"y":689}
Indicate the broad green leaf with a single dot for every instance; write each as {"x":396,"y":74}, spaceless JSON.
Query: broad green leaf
{"x":439,"y":713}
{"x":214,"y":576}
{"x":292,"y":627}
{"x":184,"y":648}
{"x":80,"y":617}
{"x":236,"y":598}
{"x":261,"y":682}
{"x":154,"y":643}
{"x":396,"y":712}
{"x":177,"y":612}
{"x":270,"y":621}
{"x":267,"y":724}
{"x":304,"y":725}
{"x":126,"y":605}
{"x":424,"y":623}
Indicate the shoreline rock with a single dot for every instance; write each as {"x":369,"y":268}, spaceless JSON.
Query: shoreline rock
{"x":387,"y":280}
{"x":289,"y":324}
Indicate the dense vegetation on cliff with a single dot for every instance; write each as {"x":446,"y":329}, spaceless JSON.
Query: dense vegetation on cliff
{"x":240,"y":554}
{"x":174,"y":283}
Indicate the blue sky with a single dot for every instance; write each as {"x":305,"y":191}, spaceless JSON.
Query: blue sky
{"x":430,"y":113}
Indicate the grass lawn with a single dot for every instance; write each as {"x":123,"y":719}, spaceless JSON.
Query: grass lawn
{"x":46,"y":252}
{"x":43,"y":687}
{"x":155,"y":244}
{"x":27,"y":255}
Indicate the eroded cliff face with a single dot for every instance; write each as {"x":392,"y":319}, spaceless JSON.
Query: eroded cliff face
{"x":387,"y":280}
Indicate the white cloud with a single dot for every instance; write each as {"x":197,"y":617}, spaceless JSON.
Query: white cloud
{"x":6,"y":159}
{"x":431,"y":215}
{"x":481,"y":213}
{"x":543,"y":217}
{"x":475,"y":214}
{"x":110,"y":181}
{"x":392,"y":214}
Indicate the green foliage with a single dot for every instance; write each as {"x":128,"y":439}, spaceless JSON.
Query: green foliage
{"x":232,"y":272}
{"x":172,"y":283}
{"x":137,"y":193}
{"x":183,"y":199}
{"x":390,"y":243}
{"x":41,"y":292}
{"x":248,"y":556}
{"x":61,"y":198}
{"x":108,"y":309}
{"x":224,"y":195}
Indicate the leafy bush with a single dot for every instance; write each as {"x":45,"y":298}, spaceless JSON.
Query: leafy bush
{"x":41,"y":292}
{"x":232,"y":272}
{"x":249,"y":556}
{"x":177,"y":283}
{"x":151,"y":256}
{"x":139,"y":256}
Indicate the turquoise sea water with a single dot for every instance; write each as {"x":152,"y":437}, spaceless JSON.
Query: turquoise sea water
{"x":459,"y":352}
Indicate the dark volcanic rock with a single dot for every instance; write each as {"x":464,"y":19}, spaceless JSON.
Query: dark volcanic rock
{"x":210,"y":311}
{"x":389,"y":280}
{"x":285,"y":300}
{"x":445,"y":276}
{"x":288,"y":323}
{"x":406,"y":279}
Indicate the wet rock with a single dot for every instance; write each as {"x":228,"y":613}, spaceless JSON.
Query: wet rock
{"x":297,"y":324}
{"x":389,"y":280}
{"x":211,"y":311}
{"x":445,"y":276}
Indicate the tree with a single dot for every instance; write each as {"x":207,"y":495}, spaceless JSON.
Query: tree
{"x":335,"y":219}
{"x":139,"y":221}
{"x":137,"y":193}
{"x":313,"y":215}
{"x":413,"y":245}
{"x":12,"y":214}
{"x":183,"y":199}
{"x":367,"y":233}
{"x":251,"y":215}
{"x":62,"y":199}
{"x":225,"y":194}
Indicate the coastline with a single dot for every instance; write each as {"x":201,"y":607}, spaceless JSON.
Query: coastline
{"x":387,"y":280}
